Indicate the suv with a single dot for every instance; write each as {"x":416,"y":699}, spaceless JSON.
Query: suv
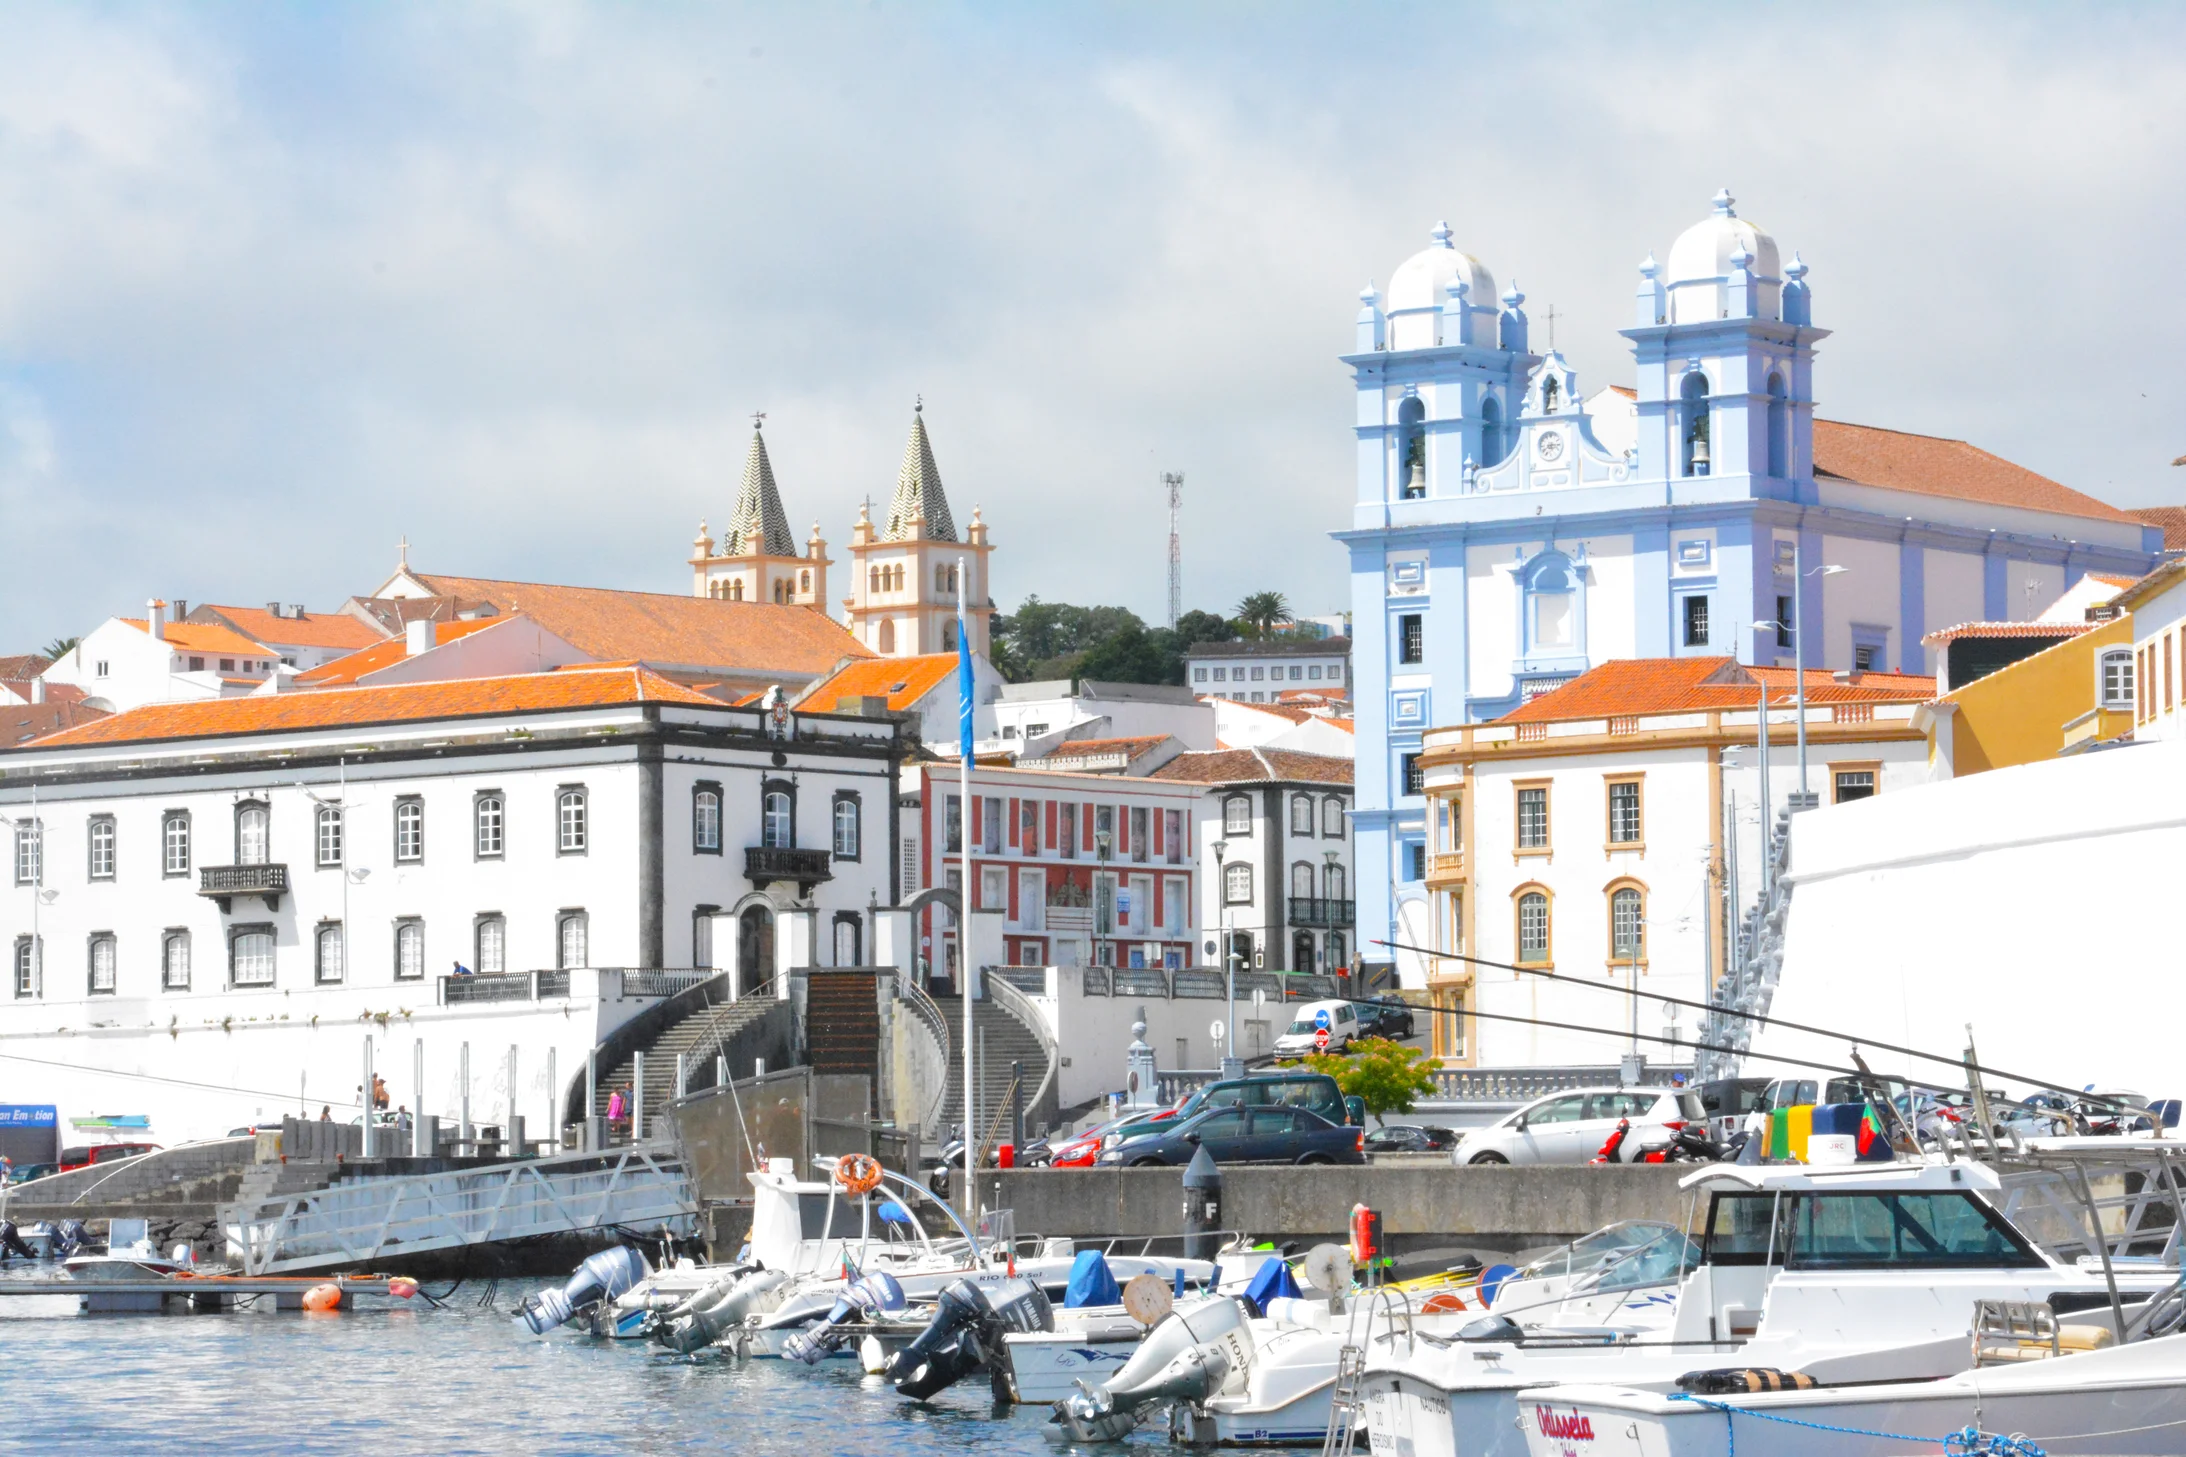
{"x":102,"y":1153}
{"x":1570,"y":1128}
{"x":1387,"y":1015}
{"x":1299,"y":1089}
{"x":1261,"y":1133}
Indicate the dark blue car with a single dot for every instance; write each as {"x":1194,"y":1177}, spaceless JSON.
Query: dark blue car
{"x":1268,"y":1133}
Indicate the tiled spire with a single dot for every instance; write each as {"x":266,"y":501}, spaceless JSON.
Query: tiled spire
{"x":759,"y":505}
{"x":918,"y":491}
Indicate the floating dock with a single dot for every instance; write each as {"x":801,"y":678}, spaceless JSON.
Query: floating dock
{"x":151,"y":1295}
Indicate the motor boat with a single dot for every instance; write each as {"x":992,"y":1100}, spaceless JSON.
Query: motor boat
{"x":1842,"y":1273}
{"x":130,"y":1254}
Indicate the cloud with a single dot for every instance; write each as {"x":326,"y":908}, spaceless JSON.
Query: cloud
{"x":277,"y":287}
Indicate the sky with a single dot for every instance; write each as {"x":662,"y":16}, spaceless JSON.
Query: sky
{"x":282,"y":286}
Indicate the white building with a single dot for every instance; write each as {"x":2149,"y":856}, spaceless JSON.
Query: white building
{"x":2158,"y":606}
{"x":1260,"y":670}
{"x":1588,"y":838}
{"x":299,"y":639}
{"x":127,"y":662}
{"x":1031,"y":719}
{"x":210,"y":905}
{"x":1308,"y":729}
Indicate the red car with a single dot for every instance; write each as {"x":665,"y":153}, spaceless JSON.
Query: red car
{"x":1081,"y":1151}
{"x":100,"y":1153}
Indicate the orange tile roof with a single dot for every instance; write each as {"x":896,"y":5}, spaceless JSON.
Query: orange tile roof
{"x":903,"y":681}
{"x":312,"y":630}
{"x":207,"y":637}
{"x":396,"y":703}
{"x":20,"y":723}
{"x":2171,"y":518}
{"x":1086,"y":748}
{"x":1241,"y":766}
{"x":1628,"y":686}
{"x":385,"y":653}
{"x":22,"y":666}
{"x":667,"y":631}
{"x":1943,"y":635}
{"x":1930,"y":465}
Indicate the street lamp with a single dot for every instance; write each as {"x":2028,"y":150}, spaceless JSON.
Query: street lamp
{"x":1102,"y":839}
{"x":1232,"y":1064}
{"x":1328,"y":884}
{"x":1764,"y":729}
{"x":1799,"y":574}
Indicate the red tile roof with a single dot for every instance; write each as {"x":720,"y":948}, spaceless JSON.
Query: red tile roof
{"x":312,"y":630}
{"x":396,"y":703}
{"x":902,"y":681}
{"x":1944,"y":635}
{"x":20,"y":723}
{"x":385,"y":653}
{"x":1253,"y":766}
{"x":1628,"y":686}
{"x":207,"y":637}
{"x":667,"y":631}
{"x":1087,"y":748}
{"x":23,"y":666}
{"x":2171,"y":518}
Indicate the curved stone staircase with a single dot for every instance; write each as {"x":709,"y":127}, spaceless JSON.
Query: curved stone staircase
{"x":998,"y":1038}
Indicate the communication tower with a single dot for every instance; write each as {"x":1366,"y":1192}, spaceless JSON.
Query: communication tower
{"x":1174,"y":480}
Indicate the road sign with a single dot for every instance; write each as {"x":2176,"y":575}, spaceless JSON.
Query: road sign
{"x":1215,"y":1031}
{"x":1320,"y":1019}
{"x":1320,"y":1039}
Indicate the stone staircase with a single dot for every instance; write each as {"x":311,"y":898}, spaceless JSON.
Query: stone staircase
{"x":695,"y":1035}
{"x":997,"y":1038}
{"x":842,"y":1023}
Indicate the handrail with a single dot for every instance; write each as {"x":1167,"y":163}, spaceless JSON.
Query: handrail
{"x":922,"y":1006}
{"x":1020,"y":1006}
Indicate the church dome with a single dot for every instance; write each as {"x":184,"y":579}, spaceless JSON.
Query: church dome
{"x":1421,"y":287}
{"x":1701,"y":261}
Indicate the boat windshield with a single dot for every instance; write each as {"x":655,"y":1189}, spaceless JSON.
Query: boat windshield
{"x":1846,"y":1230}
{"x":1614,"y":1245}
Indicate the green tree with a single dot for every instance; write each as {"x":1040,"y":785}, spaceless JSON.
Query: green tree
{"x":1387,"y":1076}
{"x":1197,"y":627}
{"x":59,"y":648}
{"x":1262,"y":612}
{"x":1135,"y":655}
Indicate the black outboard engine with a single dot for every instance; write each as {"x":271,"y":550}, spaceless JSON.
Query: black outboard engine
{"x":69,"y":1238}
{"x":603,"y":1277}
{"x":11,"y":1243}
{"x":966,"y":1334}
{"x":878,"y":1292}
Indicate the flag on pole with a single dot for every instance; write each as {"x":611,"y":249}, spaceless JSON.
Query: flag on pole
{"x":964,"y":687}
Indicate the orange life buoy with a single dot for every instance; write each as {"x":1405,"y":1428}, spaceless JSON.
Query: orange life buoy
{"x":1443,"y":1300}
{"x":323,"y":1297}
{"x":858,"y":1173}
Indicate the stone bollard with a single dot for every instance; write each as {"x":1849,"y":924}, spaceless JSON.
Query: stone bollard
{"x":1202,"y":1207}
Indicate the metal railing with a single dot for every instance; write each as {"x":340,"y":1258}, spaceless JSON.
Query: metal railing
{"x":1314,"y":910}
{"x":1007,"y":996}
{"x":1202,"y":982}
{"x":1523,"y":1084}
{"x":506,"y":986}
{"x":922,"y":1007}
{"x":1032,"y":979}
{"x":223,"y":881}
{"x":357,"y":1223}
{"x":539,"y":986}
{"x":656,"y":981}
{"x":765,"y":864}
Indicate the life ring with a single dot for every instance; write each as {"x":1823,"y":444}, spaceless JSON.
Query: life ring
{"x":1443,"y":1300}
{"x":858,"y":1173}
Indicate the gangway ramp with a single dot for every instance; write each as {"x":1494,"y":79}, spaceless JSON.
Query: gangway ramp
{"x":369,"y":1222}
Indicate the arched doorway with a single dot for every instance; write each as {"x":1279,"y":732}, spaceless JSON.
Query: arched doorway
{"x":754,"y":950}
{"x":1301,"y":951}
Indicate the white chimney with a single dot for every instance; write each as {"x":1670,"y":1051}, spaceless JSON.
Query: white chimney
{"x":155,"y":612}
{"x":38,"y":690}
{"x":417,"y":637}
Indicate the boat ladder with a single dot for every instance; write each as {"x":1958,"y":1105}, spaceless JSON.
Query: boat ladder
{"x":1344,"y":1407}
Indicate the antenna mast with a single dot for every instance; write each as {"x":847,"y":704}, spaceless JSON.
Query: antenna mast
{"x":1174,"y":480}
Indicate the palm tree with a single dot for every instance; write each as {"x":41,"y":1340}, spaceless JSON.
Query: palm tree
{"x":59,"y":648}
{"x":1263,"y":611}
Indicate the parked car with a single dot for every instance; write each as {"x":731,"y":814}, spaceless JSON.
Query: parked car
{"x":1409,"y":1138}
{"x":1291,"y":1088}
{"x":1387,"y":1015}
{"x":1079,"y":1150}
{"x":1570,"y":1128}
{"x":1303,"y":1036}
{"x":24,"y":1173}
{"x":1268,"y":1133}
{"x":1727,"y":1101}
{"x":83,"y":1156}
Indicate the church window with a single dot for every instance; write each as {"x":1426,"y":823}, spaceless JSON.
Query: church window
{"x":1779,"y":429}
{"x":1785,"y":641}
{"x":1411,"y":449}
{"x":804,"y":581}
{"x":1492,"y":446}
{"x":1548,"y":395}
{"x":1551,"y":604}
{"x":736,"y":590}
{"x":1693,"y":424}
{"x":888,"y":635}
{"x":781,"y":592}
{"x":948,"y":634}
{"x":1411,"y":638}
{"x":1696,"y":621}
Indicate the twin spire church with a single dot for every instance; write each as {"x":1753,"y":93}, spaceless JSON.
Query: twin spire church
{"x":903,"y":570}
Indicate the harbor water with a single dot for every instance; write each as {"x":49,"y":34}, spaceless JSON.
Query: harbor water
{"x":463,"y":1379}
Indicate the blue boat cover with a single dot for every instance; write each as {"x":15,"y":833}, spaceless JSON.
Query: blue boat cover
{"x":893,"y":1213}
{"x":1272,"y":1281}
{"x":1090,"y":1283}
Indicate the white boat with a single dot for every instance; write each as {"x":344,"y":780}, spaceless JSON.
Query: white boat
{"x":1852,"y":1273}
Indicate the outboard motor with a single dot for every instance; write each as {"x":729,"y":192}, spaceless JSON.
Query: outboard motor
{"x":875,"y":1293}
{"x":603,"y":1277}
{"x":693,"y":1324}
{"x":69,"y":1238}
{"x":11,"y":1243}
{"x":966,"y":1334}
{"x":1188,"y":1357}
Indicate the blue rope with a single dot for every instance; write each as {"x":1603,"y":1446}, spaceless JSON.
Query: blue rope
{"x":1965,"y":1442}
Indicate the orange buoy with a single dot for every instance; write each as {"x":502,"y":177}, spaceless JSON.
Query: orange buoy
{"x":858,"y":1174}
{"x":402,"y":1287}
{"x":1443,"y":1300}
{"x":323,"y":1298}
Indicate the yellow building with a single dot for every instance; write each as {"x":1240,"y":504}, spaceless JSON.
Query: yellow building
{"x":2075,"y":691}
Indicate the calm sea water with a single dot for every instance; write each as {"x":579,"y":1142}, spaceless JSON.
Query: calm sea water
{"x":456,"y":1380}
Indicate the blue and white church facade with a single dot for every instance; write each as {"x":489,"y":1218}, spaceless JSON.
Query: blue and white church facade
{"x":1509,"y":533}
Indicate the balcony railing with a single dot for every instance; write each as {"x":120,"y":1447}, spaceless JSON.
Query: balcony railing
{"x":765,"y":864}
{"x":1314,"y":910}
{"x":225,"y":882}
{"x":538,"y":986}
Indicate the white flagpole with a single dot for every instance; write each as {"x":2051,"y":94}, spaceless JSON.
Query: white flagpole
{"x":964,"y":926}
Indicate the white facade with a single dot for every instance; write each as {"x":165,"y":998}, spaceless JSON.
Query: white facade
{"x":125,"y":663}
{"x":1262,"y":670}
{"x":1035,"y":718}
{"x":2158,"y":605}
{"x":1244,"y":726}
{"x":1275,"y":861}
{"x":361,"y":862}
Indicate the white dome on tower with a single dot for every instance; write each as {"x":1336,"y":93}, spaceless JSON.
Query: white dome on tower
{"x":1703,"y":256}
{"x":1420,"y":289}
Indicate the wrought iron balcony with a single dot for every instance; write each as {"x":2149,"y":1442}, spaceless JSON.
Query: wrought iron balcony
{"x":225,"y":882}
{"x":765,"y":864}
{"x":1313,"y":910}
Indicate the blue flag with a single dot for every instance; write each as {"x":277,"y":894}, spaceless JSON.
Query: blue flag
{"x":964,"y":691}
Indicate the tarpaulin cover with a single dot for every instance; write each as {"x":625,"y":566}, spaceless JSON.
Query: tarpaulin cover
{"x":1272,"y":1281}
{"x":1090,"y":1283}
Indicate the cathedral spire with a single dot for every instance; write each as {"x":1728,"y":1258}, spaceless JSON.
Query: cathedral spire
{"x":758,"y":508}
{"x":919,"y":509}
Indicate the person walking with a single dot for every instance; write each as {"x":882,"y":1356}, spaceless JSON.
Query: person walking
{"x":618,"y":1110}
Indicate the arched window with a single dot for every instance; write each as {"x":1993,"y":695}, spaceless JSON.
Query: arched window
{"x":1492,"y":448}
{"x":409,"y":831}
{"x":1339,"y":957}
{"x":1779,"y":429}
{"x":948,"y":634}
{"x":1237,"y":815}
{"x":1551,"y":604}
{"x":706,"y":820}
{"x":1236,"y":884}
{"x":1533,"y":928}
{"x":573,"y":822}
{"x":941,"y":579}
{"x":781,"y":591}
{"x":1627,"y":924}
{"x":102,"y":958}
{"x":736,"y":590}
{"x":1549,"y":392}
{"x":174,"y":962}
{"x":1332,"y":817}
{"x":492,"y":955}
{"x":572,"y":940}
{"x":487,"y":817}
{"x":409,"y":950}
{"x":327,"y":953}
{"x":330,"y":835}
{"x":846,"y":829}
{"x":1301,"y":880}
{"x":252,"y":833}
{"x":804,"y":580}
{"x":888,"y":635}
{"x":777,"y":821}
{"x":1692,"y":420}
{"x":872,"y":580}
{"x":1338,"y":883}
{"x":1411,"y":449}
{"x":2117,"y":679}
{"x":250,"y":956}
{"x":1301,"y":814}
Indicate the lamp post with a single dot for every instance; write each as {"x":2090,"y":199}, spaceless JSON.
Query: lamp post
{"x":1763,"y":724}
{"x":1102,"y":839}
{"x":1327,"y":884}
{"x":1799,"y":574}
{"x":1232,"y":1064}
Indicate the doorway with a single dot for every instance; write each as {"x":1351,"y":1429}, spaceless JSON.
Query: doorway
{"x":1301,"y":951}
{"x":755,"y":950}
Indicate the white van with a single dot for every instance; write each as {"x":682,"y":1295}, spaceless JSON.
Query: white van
{"x":1343,"y":1028}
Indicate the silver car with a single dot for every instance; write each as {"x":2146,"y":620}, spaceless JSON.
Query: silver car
{"x":1571,"y":1127}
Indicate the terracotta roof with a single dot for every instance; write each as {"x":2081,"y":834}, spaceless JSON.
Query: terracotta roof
{"x":668,"y":631}
{"x":20,"y":723}
{"x":55,"y":692}
{"x":1290,"y":712}
{"x":2171,"y":518}
{"x":385,"y":654}
{"x":1930,"y":465}
{"x":1943,"y":635}
{"x":1625,"y":390}
{"x":23,"y":665}
{"x":903,"y":681}
{"x":313,"y":630}
{"x":2162,"y":579}
{"x":1251,"y":766}
{"x":1087,"y":748}
{"x":1629,"y":686}
{"x":206,"y":637}
{"x":2121,"y":583}
{"x":397,"y":703}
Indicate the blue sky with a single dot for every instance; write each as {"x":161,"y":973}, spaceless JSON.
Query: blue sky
{"x":279,"y":286}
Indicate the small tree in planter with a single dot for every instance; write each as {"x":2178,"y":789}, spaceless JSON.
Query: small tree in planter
{"x":1386,"y":1076}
